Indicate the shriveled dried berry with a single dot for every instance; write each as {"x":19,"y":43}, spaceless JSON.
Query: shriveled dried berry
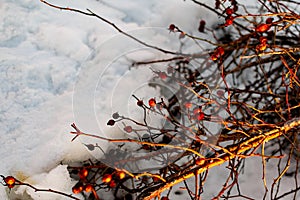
{"x":269,"y":20}
{"x":115,"y":115}
{"x":111,"y":122}
{"x":128,"y":129}
{"x":172,"y":27}
{"x":201,"y":26}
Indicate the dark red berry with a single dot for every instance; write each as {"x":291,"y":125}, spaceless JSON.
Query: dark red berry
{"x":111,"y":122}
{"x":269,"y":20}
{"x":140,"y":103}
{"x":172,"y":27}
{"x":217,"y":4}
{"x":201,"y":26}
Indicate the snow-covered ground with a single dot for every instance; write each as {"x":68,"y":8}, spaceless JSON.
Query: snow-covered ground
{"x":49,"y":71}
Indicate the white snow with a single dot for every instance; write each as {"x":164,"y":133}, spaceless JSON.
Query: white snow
{"x":48,"y":55}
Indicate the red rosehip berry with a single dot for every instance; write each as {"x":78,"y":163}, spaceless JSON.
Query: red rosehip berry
{"x":263,"y":40}
{"x":112,"y":184}
{"x":229,"y":11}
{"x":77,"y":188}
{"x":83,"y":173}
{"x":88,"y":187}
{"x":214,"y":57}
{"x":10,"y":181}
{"x":121,"y":175}
{"x":220,"y":51}
{"x":200,"y":161}
{"x":262,"y":28}
{"x":200,"y":116}
{"x":152,"y":102}
{"x":261,"y":47}
{"x":228,"y":20}
{"x":106,"y":178}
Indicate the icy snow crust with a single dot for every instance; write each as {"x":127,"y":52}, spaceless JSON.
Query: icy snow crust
{"x":45,"y":57}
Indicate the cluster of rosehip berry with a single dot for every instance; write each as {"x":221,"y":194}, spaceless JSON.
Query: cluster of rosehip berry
{"x":262,"y":28}
{"x":87,"y":181}
{"x":229,"y":12}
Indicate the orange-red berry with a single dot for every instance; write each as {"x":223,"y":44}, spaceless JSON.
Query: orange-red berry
{"x":83,"y":173}
{"x":220,"y":51}
{"x":262,"y":28}
{"x":228,"y":20}
{"x":200,"y":116}
{"x":263,"y":40}
{"x":200,"y":161}
{"x":261,"y":47}
{"x":88,"y":188}
{"x":106,"y":178}
{"x":152,"y":102}
{"x":77,"y":188}
{"x":214,"y":57}
{"x":10,"y":181}
{"x":121,"y":175}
